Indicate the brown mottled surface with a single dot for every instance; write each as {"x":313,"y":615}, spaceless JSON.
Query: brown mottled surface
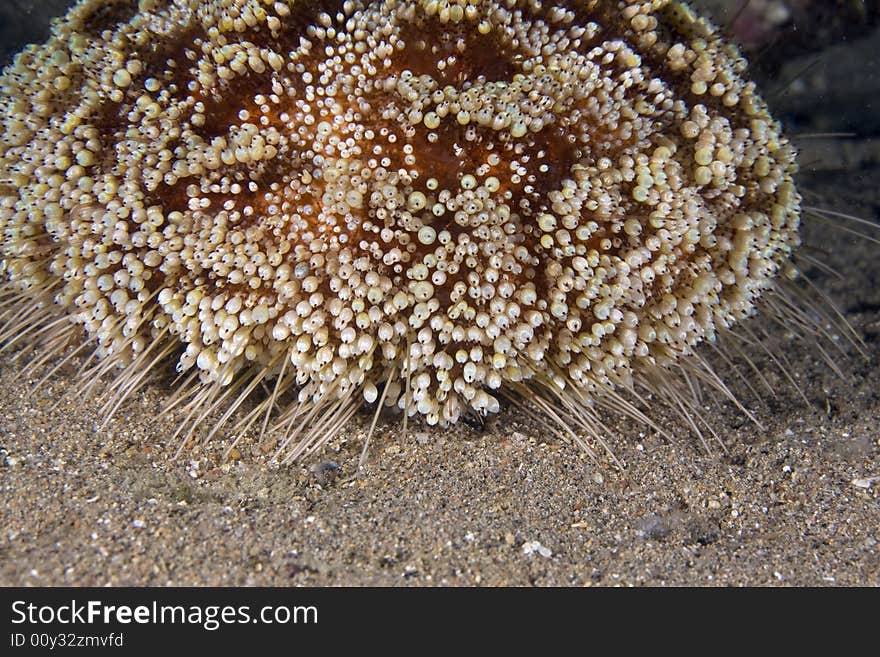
{"x":793,"y":503}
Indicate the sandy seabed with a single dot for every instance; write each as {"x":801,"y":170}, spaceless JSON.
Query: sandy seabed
{"x":794,"y":502}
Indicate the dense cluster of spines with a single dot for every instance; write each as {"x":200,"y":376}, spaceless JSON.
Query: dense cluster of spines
{"x":425,"y":203}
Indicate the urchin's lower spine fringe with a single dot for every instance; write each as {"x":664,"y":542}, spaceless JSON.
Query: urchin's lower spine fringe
{"x":379,"y":406}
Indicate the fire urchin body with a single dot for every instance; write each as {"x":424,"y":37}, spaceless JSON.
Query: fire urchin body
{"x":426,"y":203}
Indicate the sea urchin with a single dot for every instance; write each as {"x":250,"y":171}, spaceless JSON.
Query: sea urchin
{"x":431,"y":204}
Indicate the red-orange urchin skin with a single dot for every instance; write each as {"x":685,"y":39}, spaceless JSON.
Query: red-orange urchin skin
{"x":573,"y":191}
